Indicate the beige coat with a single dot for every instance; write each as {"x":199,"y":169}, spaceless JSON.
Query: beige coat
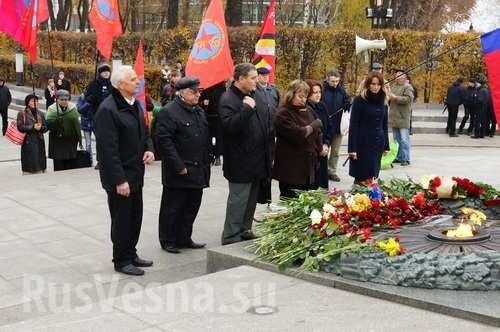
{"x":400,"y":107}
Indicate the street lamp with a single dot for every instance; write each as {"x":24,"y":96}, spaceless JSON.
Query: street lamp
{"x":380,"y":12}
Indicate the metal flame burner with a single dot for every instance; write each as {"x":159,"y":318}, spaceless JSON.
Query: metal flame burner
{"x":480,"y":236}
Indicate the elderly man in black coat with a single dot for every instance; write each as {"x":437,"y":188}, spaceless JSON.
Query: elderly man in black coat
{"x":182,"y":131}
{"x":247,"y":134}
{"x":123,"y":148}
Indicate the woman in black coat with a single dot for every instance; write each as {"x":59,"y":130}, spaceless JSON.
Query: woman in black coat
{"x":32,"y":122}
{"x":368,"y":135}
{"x":314,"y":102}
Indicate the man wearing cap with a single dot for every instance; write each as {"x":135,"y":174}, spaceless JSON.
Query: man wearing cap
{"x":64,"y":132}
{"x":62,"y":83}
{"x":123,"y":148}
{"x":182,"y":131}
{"x":5,"y":100}
{"x":95,"y":93}
{"x":400,"y":99}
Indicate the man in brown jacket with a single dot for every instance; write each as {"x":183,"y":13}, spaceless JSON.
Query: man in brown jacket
{"x":401,"y":97}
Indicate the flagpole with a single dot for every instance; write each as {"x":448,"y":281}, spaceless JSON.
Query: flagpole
{"x":96,"y":61}
{"x":50,"y":51}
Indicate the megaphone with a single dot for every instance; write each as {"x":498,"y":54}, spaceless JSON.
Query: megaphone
{"x":363,"y":44}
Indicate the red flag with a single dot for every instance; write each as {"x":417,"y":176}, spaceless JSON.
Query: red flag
{"x":265,"y":49}
{"x":140,"y":94}
{"x":37,"y":13}
{"x":104,"y":17}
{"x":210,"y":59}
{"x":12,"y":17}
{"x":491,"y":49}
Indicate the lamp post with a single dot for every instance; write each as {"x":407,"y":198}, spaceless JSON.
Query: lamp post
{"x":380,"y":12}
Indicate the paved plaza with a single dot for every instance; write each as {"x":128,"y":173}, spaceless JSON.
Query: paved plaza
{"x":56,"y":272}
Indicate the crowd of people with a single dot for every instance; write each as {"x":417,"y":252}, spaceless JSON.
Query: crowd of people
{"x":245,"y":124}
{"x":478,"y":106}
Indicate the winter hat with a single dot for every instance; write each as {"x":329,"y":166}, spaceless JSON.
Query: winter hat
{"x":103,"y":67}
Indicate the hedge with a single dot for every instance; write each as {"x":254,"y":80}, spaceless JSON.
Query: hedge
{"x":322,"y":48}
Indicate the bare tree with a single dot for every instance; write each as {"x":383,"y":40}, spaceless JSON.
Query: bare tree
{"x":234,"y":12}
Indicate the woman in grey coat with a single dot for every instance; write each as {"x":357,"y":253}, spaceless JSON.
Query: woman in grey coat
{"x":32,"y":122}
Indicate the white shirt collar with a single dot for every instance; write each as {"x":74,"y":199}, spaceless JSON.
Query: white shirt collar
{"x":130,"y":101}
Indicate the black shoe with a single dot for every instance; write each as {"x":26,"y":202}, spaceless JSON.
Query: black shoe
{"x":139,"y":262}
{"x":396,"y":161}
{"x":453,"y":135}
{"x":248,"y":235}
{"x":171,"y":249}
{"x":334,"y":177}
{"x":460,"y":131}
{"x":491,"y":135}
{"x":130,"y":269}
{"x":227,"y":242}
{"x":405,"y":163}
{"x":475,"y":136}
{"x":193,"y":245}
{"x":96,"y":166}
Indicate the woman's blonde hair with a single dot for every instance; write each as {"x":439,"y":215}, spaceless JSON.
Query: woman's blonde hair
{"x":293,"y":88}
{"x":368,"y":80}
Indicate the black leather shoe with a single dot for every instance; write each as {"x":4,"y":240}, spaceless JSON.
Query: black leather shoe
{"x":171,"y":249}
{"x":453,"y":135}
{"x":130,"y":269}
{"x":405,"y":163}
{"x":193,"y":245}
{"x":248,"y":235}
{"x":139,"y":262}
{"x":475,"y":137}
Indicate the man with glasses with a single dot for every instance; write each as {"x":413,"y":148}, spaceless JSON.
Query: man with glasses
{"x":183,"y":139}
{"x":336,"y":101}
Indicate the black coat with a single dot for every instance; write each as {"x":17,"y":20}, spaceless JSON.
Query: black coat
{"x":322,"y":114}
{"x":33,"y":157}
{"x":183,"y":139}
{"x":65,"y":84}
{"x":5,"y":98}
{"x":484,"y":96}
{"x":122,"y":140}
{"x":49,"y":98}
{"x":455,"y":95}
{"x":247,"y":135}
{"x":334,"y":100}
{"x":97,"y":91}
{"x":368,"y":137}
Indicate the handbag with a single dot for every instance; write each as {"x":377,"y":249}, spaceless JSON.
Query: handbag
{"x":82,"y":159}
{"x":13,"y":134}
{"x":344,"y":123}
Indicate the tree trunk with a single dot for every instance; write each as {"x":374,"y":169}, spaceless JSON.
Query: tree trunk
{"x":185,"y":11}
{"x":172,"y":13}
{"x":83,"y":14}
{"x":234,"y":12}
{"x":50,"y":6}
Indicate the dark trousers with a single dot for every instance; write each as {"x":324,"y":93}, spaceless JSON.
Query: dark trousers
{"x":64,"y":164}
{"x":179,"y":208}
{"x":467,"y":114}
{"x":240,"y":210}
{"x":5,"y":120}
{"x":322,"y":174}
{"x":126,"y":221}
{"x":492,"y":123}
{"x":287,"y":189}
{"x":452,"y":119}
{"x":477,"y":121}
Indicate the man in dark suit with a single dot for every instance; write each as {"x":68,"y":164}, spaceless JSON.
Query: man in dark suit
{"x":182,"y":132}
{"x":247,"y":152}
{"x":454,"y":98}
{"x":123,"y":148}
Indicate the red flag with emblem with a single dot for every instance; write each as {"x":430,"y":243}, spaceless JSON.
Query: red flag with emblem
{"x":104,"y":17}
{"x":11,"y":18}
{"x":140,"y":94}
{"x":265,"y":49}
{"x":210,"y":59}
